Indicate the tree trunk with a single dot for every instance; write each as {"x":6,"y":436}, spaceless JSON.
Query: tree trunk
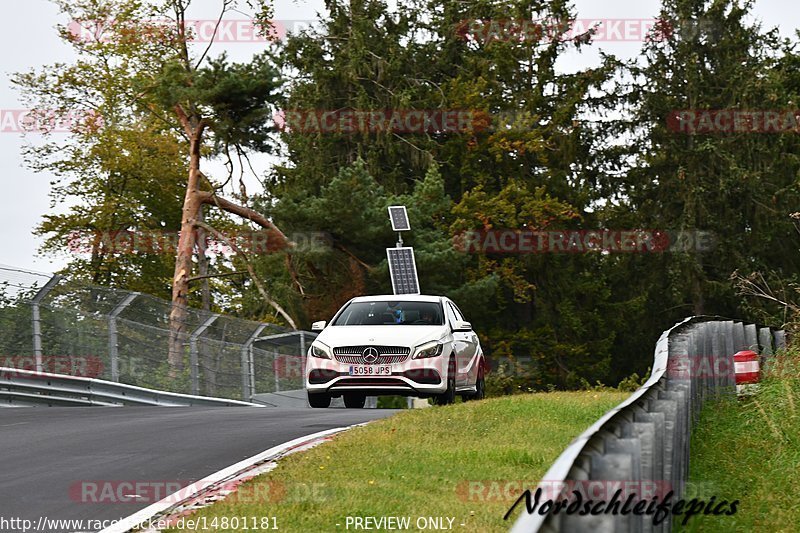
{"x":191,"y":219}
{"x":186,"y":243}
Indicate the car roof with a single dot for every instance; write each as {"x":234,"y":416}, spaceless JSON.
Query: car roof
{"x":398,"y":297}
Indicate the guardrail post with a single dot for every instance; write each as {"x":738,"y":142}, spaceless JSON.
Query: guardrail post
{"x":728,"y":380}
{"x":780,"y":339}
{"x":765,"y":343}
{"x":751,"y":337}
{"x":738,"y":337}
{"x":113,"y":347}
{"x":248,"y":372}
{"x":37,"y":328}
{"x":194,"y":361}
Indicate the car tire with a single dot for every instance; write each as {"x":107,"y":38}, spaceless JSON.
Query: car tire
{"x":319,"y":401}
{"x":354,"y":400}
{"x":480,"y":388}
{"x":449,"y":395}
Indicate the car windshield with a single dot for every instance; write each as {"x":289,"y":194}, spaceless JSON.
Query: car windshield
{"x":387,"y":313}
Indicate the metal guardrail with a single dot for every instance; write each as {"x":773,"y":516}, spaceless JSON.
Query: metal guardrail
{"x":59,"y":325}
{"x":645,"y":439}
{"x":27,"y":388}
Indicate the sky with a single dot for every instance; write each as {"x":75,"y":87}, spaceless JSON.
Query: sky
{"x":29,"y":41}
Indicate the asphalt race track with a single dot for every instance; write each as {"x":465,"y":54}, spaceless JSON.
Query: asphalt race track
{"x":46,"y":452}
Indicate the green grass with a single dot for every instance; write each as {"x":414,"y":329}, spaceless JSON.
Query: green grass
{"x":749,"y":449}
{"x":420,"y":462}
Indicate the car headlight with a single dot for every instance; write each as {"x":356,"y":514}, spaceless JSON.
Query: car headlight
{"x":320,"y":350}
{"x":431,"y":349}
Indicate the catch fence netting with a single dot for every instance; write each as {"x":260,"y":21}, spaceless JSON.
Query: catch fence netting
{"x":53,"y":324}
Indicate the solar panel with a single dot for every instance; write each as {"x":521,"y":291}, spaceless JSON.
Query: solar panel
{"x":399,"y":218}
{"x":403,"y":270}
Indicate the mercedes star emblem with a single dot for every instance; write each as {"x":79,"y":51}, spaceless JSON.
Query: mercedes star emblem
{"x":370,"y":355}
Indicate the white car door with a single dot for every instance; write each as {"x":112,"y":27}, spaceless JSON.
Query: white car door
{"x":468,"y":340}
{"x":465,"y":343}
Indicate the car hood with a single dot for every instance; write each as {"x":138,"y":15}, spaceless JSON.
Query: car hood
{"x":411,"y":336}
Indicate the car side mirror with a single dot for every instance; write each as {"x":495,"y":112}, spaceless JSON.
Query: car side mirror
{"x":318,"y":326}
{"x":463,"y":325}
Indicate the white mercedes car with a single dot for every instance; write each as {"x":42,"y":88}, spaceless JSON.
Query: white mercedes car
{"x":407,"y":345}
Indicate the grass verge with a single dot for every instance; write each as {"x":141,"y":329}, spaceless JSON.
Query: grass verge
{"x":749,"y":450}
{"x":450,"y":462}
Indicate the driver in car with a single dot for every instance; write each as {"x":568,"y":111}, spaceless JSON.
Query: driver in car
{"x":398,"y":315}
{"x":426,"y":316}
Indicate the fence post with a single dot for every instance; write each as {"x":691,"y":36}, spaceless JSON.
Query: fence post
{"x":194,"y":361}
{"x":248,"y":372}
{"x":37,"y":328}
{"x":113,"y":347}
{"x":276,"y":354}
{"x":275,"y":372}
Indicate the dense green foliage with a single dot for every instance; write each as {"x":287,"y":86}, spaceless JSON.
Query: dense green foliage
{"x":549,"y":147}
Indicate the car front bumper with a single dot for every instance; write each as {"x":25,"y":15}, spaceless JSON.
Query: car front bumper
{"x":412,"y":377}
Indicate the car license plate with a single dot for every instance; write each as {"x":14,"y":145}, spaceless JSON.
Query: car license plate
{"x":371,"y":370}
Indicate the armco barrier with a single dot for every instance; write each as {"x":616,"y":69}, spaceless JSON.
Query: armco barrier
{"x":27,"y":388}
{"x":644,"y":441}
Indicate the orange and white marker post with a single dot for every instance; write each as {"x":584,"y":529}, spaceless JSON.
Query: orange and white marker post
{"x":747,"y":367}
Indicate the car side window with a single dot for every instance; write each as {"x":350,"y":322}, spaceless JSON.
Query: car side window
{"x":454,"y":315}
{"x":457,"y":312}
{"x":451,"y":316}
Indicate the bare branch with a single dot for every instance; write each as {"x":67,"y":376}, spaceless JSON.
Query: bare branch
{"x":756,"y":286}
{"x":225,"y":5}
{"x":250,"y":214}
{"x":259,"y":285}
{"x":352,"y":256}
{"x":293,"y":275}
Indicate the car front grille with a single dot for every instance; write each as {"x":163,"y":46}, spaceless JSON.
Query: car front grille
{"x":386,"y":354}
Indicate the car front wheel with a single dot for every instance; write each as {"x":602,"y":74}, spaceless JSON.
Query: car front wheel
{"x":480,"y":388}
{"x":319,"y":401}
{"x":449,"y":395}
